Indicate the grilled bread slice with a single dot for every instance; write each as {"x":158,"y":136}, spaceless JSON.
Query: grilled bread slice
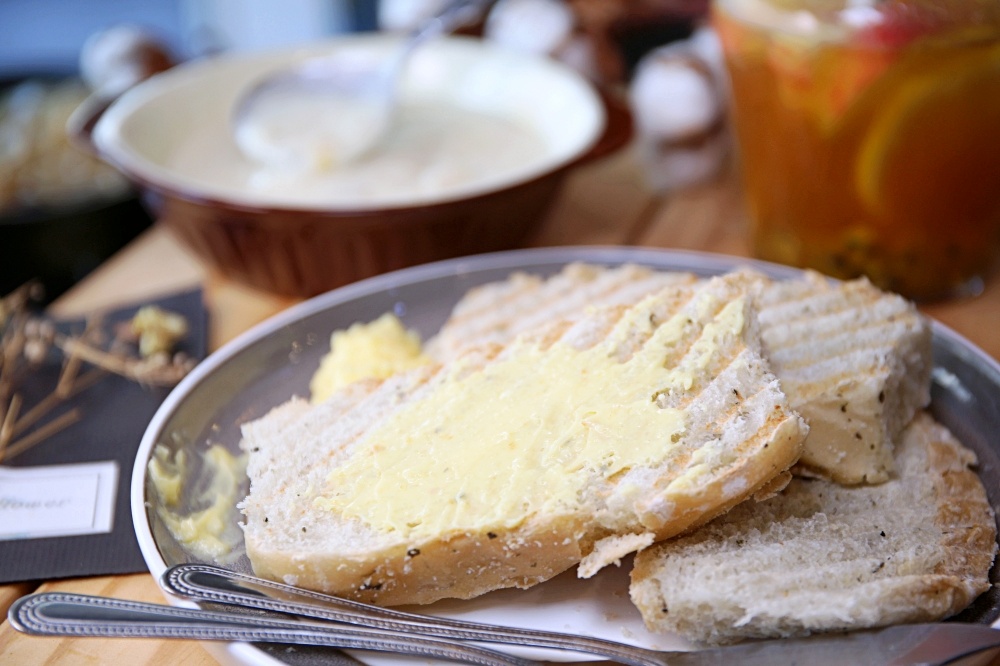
{"x":499,"y":311}
{"x":586,"y":439}
{"x":854,"y":361}
{"x":822,"y":557}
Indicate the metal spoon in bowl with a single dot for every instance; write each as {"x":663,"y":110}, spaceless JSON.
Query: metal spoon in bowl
{"x":331,"y":110}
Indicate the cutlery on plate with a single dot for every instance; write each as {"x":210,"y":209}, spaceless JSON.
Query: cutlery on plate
{"x":67,"y":614}
{"x":903,"y":645}
{"x":363,"y":627}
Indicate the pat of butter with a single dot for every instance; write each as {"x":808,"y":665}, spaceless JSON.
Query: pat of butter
{"x":378,"y":349}
{"x":527,"y":433}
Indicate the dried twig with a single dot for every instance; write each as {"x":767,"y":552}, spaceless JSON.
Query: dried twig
{"x":27,"y":340}
{"x":157,"y":370}
{"x":72,"y":365}
{"x":52,"y":400}
{"x":7,"y":424}
{"x":44,"y":432}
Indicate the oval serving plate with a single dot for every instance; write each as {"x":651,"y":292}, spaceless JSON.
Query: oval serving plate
{"x":276,"y":359}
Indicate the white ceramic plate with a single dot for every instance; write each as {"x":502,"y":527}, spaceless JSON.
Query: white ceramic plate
{"x":275,"y":360}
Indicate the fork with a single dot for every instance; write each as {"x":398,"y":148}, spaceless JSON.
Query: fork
{"x":903,"y":645}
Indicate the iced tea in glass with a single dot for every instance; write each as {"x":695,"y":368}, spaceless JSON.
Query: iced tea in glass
{"x":869,"y":136}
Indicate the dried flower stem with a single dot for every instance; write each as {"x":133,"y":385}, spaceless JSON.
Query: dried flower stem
{"x":39,"y":435}
{"x":50,"y":401}
{"x":9,"y":420}
{"x":25,"y":341}
{"x":13,"y":344}
{"x":144,"y":371}
{"x":68,"y":373}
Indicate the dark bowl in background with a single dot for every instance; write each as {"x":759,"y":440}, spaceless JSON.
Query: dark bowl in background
{"x":57,"y":243}
{"x":59,"y":247}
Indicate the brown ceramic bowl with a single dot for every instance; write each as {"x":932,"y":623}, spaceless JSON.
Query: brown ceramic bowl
{"x":275,"y":242}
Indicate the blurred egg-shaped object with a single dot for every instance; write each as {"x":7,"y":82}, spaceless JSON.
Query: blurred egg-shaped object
{"x":678,"y":100}
{"x":115,"y":59}
{"x":544,"y":27}
{"x":535,"y":26}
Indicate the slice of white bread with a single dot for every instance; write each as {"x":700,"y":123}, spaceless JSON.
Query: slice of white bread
{"x":823,"y":557}
{"x":498,"y":311}
{"x":589,"y":439}
{"x":854,"y":361}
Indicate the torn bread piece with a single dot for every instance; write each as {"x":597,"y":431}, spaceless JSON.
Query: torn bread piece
{"x":824,"y":557}
{"x":854,"y":361}
{"x":513,"y":464}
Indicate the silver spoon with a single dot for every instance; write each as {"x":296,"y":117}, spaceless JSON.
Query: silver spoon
{"x":903,"y":645}
{"x":331,"y":110}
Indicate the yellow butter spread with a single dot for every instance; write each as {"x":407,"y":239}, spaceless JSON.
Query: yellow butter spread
{"x":526,"y":433}
{"x":167,"y":475}
{"x":210,"y":532}
{"x":377,"y":349}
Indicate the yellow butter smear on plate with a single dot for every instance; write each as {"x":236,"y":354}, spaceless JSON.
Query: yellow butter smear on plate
{"x":377,"y":349}
{"x":527,"y":432}
{"x":210,"y":531}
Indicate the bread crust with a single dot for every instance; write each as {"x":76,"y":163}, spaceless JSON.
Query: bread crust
{"x":918,"y":548}
{"x":464,"y":564}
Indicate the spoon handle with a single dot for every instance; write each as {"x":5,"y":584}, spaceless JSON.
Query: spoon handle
{"x":66,"y":614}
{"x":452,"y":16}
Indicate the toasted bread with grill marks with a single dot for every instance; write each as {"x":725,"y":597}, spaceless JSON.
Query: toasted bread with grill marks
{"x":498,"y":311}
{"x":627,"y":425}
{"x":854,"y":361}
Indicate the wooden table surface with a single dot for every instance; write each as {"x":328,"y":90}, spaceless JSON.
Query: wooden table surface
{"x":607,"y":203}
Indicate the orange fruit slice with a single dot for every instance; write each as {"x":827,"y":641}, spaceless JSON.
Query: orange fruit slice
{"x":929,"y":126}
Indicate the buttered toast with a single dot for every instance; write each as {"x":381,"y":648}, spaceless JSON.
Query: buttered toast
{"x":496,"y":312}
{"x":580,"y":442}
{"x":822,"y":557}
{"x":854,"y":361}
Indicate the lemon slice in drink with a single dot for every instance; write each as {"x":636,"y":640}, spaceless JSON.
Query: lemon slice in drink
{"x":927,"y":124}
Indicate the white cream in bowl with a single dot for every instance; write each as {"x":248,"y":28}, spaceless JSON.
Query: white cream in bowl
{"x":473,"y":118}
{"x":431,"y":150}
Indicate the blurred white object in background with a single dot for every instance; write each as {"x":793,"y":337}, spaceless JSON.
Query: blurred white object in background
{"x":544,"y":27}
{"x":534,"y":26}
{"x":113,"y":60}
{"x":678,"y":97}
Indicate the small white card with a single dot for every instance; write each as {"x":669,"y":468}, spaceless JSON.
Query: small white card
{"x":57,"y":500}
